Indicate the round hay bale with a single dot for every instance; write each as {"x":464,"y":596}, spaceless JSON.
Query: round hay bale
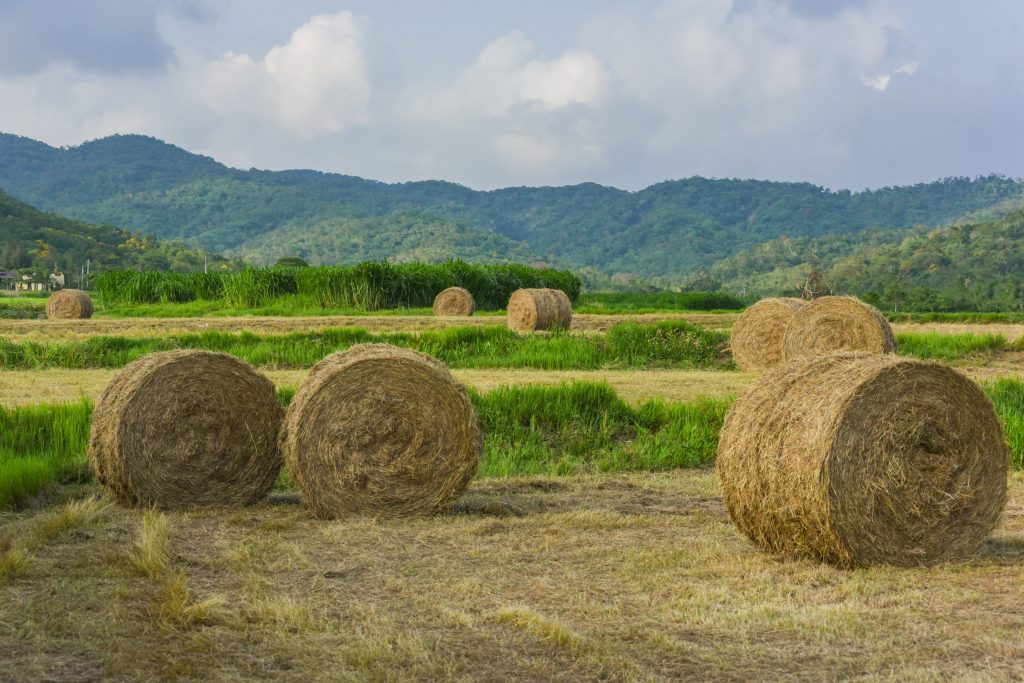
{"x":69,"y":304}
{"x":454,"y":301}
{"x":538,"y":309}
{"x":860,"y":459}
{"x":757,"y":334}
{"x":381,"y":429}
{"x":833,"y":324}
{"x":187,"y":428}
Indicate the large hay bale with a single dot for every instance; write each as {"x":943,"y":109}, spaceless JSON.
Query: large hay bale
{"x":757,"y":334}
{"x":833,"y":324}
{"x":187,"y":428}
{"x":69,"y":304}
{"x":381,"y":429}
{"x":454,"y":301}
{"x":859,"y":459}
{"x":538,"y":309}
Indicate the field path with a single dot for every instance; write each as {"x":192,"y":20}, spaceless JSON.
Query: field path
{"x":25,"y":387}
{"x":56,"y":330}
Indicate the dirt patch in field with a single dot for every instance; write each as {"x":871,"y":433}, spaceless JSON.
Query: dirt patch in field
{"x":1011,"y":332}
{"x":57,"y":330}
{"x":24,"y":387}
{"x":628,"y":577}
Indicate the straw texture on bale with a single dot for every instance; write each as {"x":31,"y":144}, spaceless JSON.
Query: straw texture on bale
{"x":454,"y":301}
{"x":833,"y":324}
{"x":69,"y":304}
{"x":187,"y":428}
{"x":381,"y":429}
{"x":539,"y":309}
{"x":757,"y":334}
{"x":859,"y":459}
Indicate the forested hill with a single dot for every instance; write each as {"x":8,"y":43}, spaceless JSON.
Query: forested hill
{"x":666,"y":231}
{"x":972,"y":266}
{"x":31,"y":240}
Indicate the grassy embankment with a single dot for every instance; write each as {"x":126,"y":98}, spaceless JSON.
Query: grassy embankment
{"x":674,"y":344}
{"x":950,"y":347}
{"x":18,"y":308}
{"x":667,"y":344}
{"x":575,"y":428}
{"x":558,"y":430}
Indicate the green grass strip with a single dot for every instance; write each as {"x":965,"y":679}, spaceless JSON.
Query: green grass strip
{"x":670,"y":344}
{"x":564,"y":429}
{"x":938,"y":346}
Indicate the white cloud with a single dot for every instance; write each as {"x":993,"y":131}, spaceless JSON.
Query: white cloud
{"x":881,"y":81}
{"x":642,"y":92}
{"x":316,"y":83}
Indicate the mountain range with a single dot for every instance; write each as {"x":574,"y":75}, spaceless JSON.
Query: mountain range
{"x":746,"y":232}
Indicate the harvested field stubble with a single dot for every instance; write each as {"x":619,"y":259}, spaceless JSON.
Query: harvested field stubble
{"x":381,"y":429}
{"x":861,"y":459}
{"x":833,"y":324}
{"x":539,"y":309}
{"x":757,"y":334}
{"x":186,"y":428}
{"x":69,"y":304}
{"x":454,"y":302}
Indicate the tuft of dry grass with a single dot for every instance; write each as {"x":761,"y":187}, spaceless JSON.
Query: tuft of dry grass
{"x":548,"y":629}
{"x":173,"y":604}
{"x":149,"y":553}
{"x":71,"y":515}
{"x":14,"y":563}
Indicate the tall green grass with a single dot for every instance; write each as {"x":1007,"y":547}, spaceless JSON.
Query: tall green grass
{"x":1008,"y":397}
{"x":368,"y":286}
{"x":566,"y":429}
{"x":583,"y":427}
{"x":41,"y":444}
{"x":571,"y":428}
{"x":674,"y":344}
{"x":937,"y":346}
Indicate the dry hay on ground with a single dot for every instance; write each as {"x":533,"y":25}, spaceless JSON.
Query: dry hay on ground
{"x":69,"y":304}
{"x":187,"y":428}
{"x":539,"y":309}
{"x":860,"y":459}
{"x":833,"y":324}
{"x":454,"y":302}
{"x":757,"y":334}
{"x":59,"y":330}
{"x":381,"y":429}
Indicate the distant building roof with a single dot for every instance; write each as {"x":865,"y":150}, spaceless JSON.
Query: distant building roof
{"x":5,"y":275}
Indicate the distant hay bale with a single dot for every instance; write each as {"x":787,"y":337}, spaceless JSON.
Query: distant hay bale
{"x":454,"y":301}
{"x":69,"y":304}
{"x":758,"y":332}
{"x":380,"y":429}
{"x":539,"y":309}
{"x":860,"y":459}
{"x":187,"y":428}
{"x":833,"y":324}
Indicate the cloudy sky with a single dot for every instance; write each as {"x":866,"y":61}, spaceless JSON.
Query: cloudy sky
{"x":843,"y":93}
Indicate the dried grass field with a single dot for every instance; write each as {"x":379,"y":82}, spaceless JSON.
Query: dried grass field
{"x":629,"y":576}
